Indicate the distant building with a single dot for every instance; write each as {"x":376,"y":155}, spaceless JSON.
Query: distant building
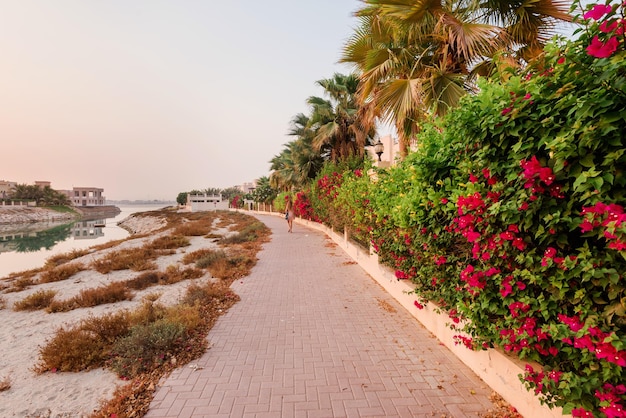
{"x":42,"y":184}
{"x":85,"y":196}
{"x":6,"y":188}
{"x":205,"y":202}
{"x":248,"y":187}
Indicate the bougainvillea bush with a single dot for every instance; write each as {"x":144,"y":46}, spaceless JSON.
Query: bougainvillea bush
{"x":511,"y":217}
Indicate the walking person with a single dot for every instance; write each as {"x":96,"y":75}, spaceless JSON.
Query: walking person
{"x":289,"y":212}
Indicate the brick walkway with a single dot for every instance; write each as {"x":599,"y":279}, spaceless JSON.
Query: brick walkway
{"x":315,"y":336}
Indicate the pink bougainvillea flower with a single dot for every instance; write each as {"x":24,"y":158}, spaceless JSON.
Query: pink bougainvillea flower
{"x":597,"y":11}
{"x":473,"y":178}
{"x":581,"y":412}
{"x":600,"y":49}
{"x":506,"y":110}
{"x":561,"y":60}
{"x":609,"y":26}
{"x":418,"y":305}
{"x":519,"y":244}
{"x":524,"y":206}
{"x":574,"y":323}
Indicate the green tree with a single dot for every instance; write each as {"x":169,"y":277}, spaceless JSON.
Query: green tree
{"x":44,"y":196}
{"x":342,"y":125}
{"x":264,"y":192}
{"x":418,"y":58}
{"x":181,"y":199}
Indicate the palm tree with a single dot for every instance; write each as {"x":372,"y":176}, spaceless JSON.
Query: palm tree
{"x":343,"y":126}
{"x":264,"y":192}
{"x":419,"y":57}
{"x":308,"y":160}
{"x":283,"y":176}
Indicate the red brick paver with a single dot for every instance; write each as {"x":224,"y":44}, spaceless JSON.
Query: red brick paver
{"x":315,"y":336}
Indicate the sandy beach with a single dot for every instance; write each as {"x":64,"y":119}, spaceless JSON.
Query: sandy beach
{"x":24,"y":332}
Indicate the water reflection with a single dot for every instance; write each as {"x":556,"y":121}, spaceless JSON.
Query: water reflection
{"x":23,"y":241}
{"x":27,"y":246}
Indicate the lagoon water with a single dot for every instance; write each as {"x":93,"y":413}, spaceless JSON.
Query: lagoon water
{"x":28,"y":246}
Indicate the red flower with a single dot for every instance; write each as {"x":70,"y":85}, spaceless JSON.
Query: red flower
{"x":506,"y":110}
{"x":613,"y":25}
{"x":597,"y":11}
{"x":599,"y":49}
{"x":561,"y":60}
{"x":581,"y":412}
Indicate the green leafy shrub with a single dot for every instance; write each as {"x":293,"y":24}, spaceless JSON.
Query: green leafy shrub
{"x":145,"y":347}
{"x":510,"y":217}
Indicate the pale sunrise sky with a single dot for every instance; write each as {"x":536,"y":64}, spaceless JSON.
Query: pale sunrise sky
{"x":149,"y":98}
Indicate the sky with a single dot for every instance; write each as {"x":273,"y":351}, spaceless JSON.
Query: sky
{"x":150,"y":98}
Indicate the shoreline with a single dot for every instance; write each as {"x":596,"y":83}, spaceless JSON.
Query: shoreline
{"x":26,"y":214}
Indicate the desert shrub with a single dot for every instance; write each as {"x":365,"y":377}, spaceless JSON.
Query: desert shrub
{"x":145,"y":347}
{"x":220,"y":268}
{"x":201,"y":293}
{"x":72,"y":350}
{"x":57,"y":260}
{"x":108,"y":327}
{"x":168,"y":242}
{"x":205,"y":258}
{"x":194,"y":229}
{"x":61,"y":272}
{"x":20,"y":281}
{"x":238,"y":237}
{"x":175,"y":274}
{"x":111,"y":293}
{"x":189,"y":316}
{"x":41,"y":299}
{"x":5,"y":384}
{"x":147,"y":279}
{"x":136,"y":259}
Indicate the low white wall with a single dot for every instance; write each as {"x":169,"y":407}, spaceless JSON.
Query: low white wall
{"x":499,"y":370}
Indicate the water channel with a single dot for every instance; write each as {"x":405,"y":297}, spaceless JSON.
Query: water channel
{"x":28,"y":246}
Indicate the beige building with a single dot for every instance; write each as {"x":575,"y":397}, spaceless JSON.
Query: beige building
{"x":6,"y":187}
{"x":205,"y":202}
{"x":390,"y":154}
{"x":42,"y":184}
{"x":248,"y":187}
{"x":86,"y":196}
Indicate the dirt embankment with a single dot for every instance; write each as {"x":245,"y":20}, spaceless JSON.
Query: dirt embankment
{"x":25,"y":214}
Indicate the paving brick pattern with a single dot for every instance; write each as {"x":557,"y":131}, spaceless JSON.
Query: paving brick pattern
{"x":315,"y":336}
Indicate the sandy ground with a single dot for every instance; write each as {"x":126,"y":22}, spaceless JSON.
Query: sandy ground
{"x":23,"y":333}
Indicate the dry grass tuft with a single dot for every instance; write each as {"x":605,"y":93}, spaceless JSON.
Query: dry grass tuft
{"x":205,"y":258}
{"x":5,"y":384}
{"x":147,"y":279}
{"x":175,"y":274}
{"x":111,"y":293}
{"x":61,"y":272}
{"x":168,"y":242}
{"x":57,"y":260}
{"x":41,"y":299}
{"x":136,"y":259}
{"x":17,"y":282}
